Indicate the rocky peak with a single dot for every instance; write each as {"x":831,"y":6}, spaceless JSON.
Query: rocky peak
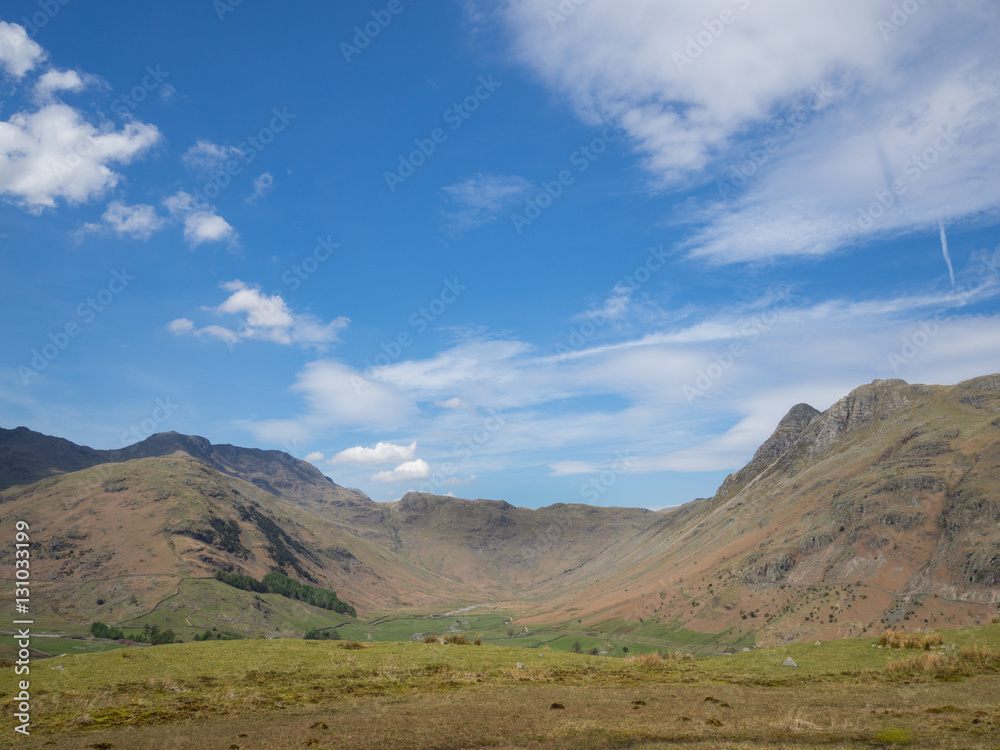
{"x":785,"y":435}
{"x":877,"y":400}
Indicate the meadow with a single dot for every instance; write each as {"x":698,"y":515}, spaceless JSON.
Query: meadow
{"x":293,"y":693}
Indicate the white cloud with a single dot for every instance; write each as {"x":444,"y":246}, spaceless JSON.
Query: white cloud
{"x":707,"y":90}
{"x":382,"y":453}
{"x":338,"y":394}
{"x":261,"y":187}
{"x":181,"y":325}
{"x":314,"y":457}
{"x":53,"y":81}
{"x":480,"y":199}
{"x":138,"y":222}
{"x":266,"y":317}
{"x":18,"y":53}
{"x":53,"y":154}
{"x":205,"y":156}
{"x":405,"y":472}
{"x":201,"y":223}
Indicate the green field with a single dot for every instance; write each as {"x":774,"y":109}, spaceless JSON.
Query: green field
{"x":286,"y":693}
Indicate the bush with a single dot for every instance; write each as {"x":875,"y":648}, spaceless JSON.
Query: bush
{"x":322,"y":634}
{"x":100,"y":630}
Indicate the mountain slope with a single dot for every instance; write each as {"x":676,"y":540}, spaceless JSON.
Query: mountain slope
{"x":883,"y":508}
{"x":128,"y":533}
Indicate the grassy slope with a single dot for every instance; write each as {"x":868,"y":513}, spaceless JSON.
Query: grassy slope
{"x":288,"y":693}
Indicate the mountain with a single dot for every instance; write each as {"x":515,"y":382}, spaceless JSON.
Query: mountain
{"x":882,"y":509}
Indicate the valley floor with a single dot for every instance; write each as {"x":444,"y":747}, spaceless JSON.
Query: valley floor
{"x":275,"y":694}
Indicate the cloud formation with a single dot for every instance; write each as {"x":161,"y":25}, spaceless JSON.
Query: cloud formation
{"x":409,"y":471}
{"x":382,"y":453}
{"x":813,"y":127}
{"x":201,"y":223}
{"x":263,"y":317}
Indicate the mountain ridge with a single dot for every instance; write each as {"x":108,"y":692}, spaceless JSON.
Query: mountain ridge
{"x":887,"y":502}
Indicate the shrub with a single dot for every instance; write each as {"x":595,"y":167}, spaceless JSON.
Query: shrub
{"x":457,"y":639}
{"x":649,"y":659}
{"x":100,"y":630}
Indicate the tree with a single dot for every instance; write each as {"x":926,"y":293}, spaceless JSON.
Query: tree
{"x":576,"y":647}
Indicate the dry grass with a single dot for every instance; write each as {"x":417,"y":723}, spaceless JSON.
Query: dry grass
{"x":655,"y":659}
{"x":970,"y":660}
{"x":353,"y":645}
{"x":898,"y":639}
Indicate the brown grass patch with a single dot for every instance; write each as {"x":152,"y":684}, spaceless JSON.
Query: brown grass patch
{"x":899,"y":639}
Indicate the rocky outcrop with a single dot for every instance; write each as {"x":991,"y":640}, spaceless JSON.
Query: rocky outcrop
{"x":785,"y":435}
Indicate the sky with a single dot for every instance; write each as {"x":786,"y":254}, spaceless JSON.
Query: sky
{"x":533,"y":250}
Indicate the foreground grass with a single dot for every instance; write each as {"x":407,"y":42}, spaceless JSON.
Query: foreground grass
{"x":291,"y":693}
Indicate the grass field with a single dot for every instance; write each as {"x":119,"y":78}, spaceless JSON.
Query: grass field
{"x":291,"y":693}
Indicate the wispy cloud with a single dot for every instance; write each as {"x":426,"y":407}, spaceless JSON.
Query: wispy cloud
{"x":262,"y":185}
{"x":480,"y":199}
{"x":814,"y":128}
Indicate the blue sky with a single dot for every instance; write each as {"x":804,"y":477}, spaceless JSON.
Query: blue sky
{"x":534,"y":250}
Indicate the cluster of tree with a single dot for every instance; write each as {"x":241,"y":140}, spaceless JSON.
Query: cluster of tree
{"x":100,"y":630}
{"x":155,"y":636}
{"x":326,"y":634}
{"x":278,"y":583}
{"x":215,"y":635}
{"x":151,"y":634}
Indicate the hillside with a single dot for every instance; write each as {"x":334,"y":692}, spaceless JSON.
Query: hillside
{"x":882,"y":509}
{"x":129,"y":533}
